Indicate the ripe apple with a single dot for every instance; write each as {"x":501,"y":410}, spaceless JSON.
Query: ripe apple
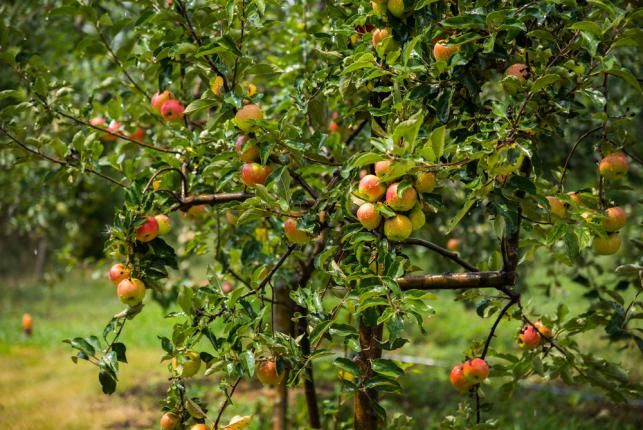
{"x":293,"y":234}
{"x":417,"y":218}
{"x":379,"y":34}
{"x":169,"y":421}
{"x":396,"y":7}
{"x":191,"y":364}
{"x":333,"y":127}
{"x":453,"y":245}
{"x":227,"y":287}
{"x":518,"y":70}
{"x":382,"y":168}
{"x":613,"y":166}
{"x":138,"y":135}
{"x":475,"y":370}
{"x":247,"y":114}
{"x":148,"y":230}
{"x":131,"y":291}
{"x":457,"y":378}
{"x":370,"y":188}
{"x":575,"y":197}
{"x":118,"y":272}
{"x":159,"y":99}
{"x":172,"y":110}
{"x":616,"y":219}
{"x":403,"y":202}
{"x":368,"y":216}
{"x":398,"y":228}
{"x":443,"y":51}
{"x":115,"y":127}
{"x":165,"y":224}
{"x":268,"y":373}
{"x":254,"y":173}
{"x":98,"y":121}
{"x":528,"y":337}
{"x":543,"y":329}
{"x":556,"y":207}
{"x":251,"y":151}
{"x":194,"y":212}
{"x":607,"y":246}
{"x":27,"y":324}
{"x":199,"y":426}
{"x":425,"y":182}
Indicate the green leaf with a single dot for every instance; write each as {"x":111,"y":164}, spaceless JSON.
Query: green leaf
{"x":201,"y":104}
{"x":588,"y":26}
{"x":627,"y":76}
{"x":247,"y":359}
{"x":543,"y":81}
{"x":387,"y":368}
{"x":347,"y":365}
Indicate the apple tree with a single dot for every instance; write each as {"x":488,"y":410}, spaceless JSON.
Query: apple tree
{"x":322,"y":152}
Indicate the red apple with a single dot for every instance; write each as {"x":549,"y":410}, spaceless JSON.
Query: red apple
{"x":227,"y":287}
{"x":138,"y":135}
{"x":172,"y":110}
{"x":254,"y":173}
{"x":556,"y":207}
{"x":443,"y":51}
{"x":543,"y":329}
{"x":528,"y":337}
{"x":616,"y":219}
{"x":368,"y":216}
{"x":403,"y":202}
{"x":607,"y":246}
{"x":475,"y":370}
{"x":453,"y":245}
{"x":27,"y":324}
{"x":251,"y":151}
{"x":268,"y":373}
{"x":425,"y":182}
{"x":370,"y":188}
{"x":159,"y":99}
{"x":457,"y":378}
{"x":169,"y":421}
{"x":118,"y":272}
{"x":131,"y":291}
{"x":245,"y":116}
{"x":382,"y":168}
{"x":148,"y":230}
{"x":333,"y":127}
{"x":614,"y":166}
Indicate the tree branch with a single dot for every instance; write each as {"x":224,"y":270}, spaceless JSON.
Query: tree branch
{"x":457,"y":281}
{"x":453,"y":256}
{"x":569,"y":156}
{"x":226,"y":403}
{"x":163,"y":170}
{"x":120,"y":64}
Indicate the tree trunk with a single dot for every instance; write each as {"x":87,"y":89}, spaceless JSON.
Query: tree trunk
{"x":282,"y":312}
{"x":365,"y":417}
{"x":41,"y":257}
{"x":309,"y":379}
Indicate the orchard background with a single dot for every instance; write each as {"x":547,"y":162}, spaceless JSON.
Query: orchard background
{"x":399,"y":214}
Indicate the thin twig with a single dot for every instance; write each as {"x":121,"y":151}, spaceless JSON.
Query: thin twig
{"x":163,"y":170}
{"x":226,"y":403}
{"x":453,"y":256}
{"x":571,"y":153}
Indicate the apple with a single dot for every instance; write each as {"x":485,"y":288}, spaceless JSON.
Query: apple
{"x":251,"y":151}
{"x":453,"y":245}
{"x":169,"y":421}
{"x":543,"y":329}
{"x":293,"y":234}
{"x":576,"y":198}
{"x":194,"y":212}
{"x":382,"y":168}
{"x":457,"y":378}
{"x":191,"y":364}
{"x":148,"y":230}
{"x":164,"y":223}
{"x":607,"y":246}
{"x":398,"y":228}
{"x":403,"y":202}
{"x":556,"y":207}
{"x":518,"y":70}
{"x":159,"y":99}
{"x":425,"y":182}
{"x":613,"y":166}
{"x":475,"y":370}
{"x":199,"y":426}
{"x":172,"y":110}
{"x":138,"y":135}
{"x":396,"y":7}
{"x":370,"y":188}
{"x":115,"y":127}
{"x":443,"y":51}
{"x":615,"y":220}
{"x":98,"y":121}
{"x":131,"y":291}
{"x":227,"y":287}
{"x":528,"y":337}
{"x":417,"y":218}
{"x":368,"y":216}
{"x":118,"y":272}
{"x":27,"y":324}
{"x":379,"y":34}
{"x":247,"y":114}
{"x":268,"y":373}
{"x":333,"y":127}
{"x":254,"y":173}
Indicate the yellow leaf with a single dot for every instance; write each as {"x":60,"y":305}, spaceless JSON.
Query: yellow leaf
{"x":216,"y":84}
{"x":237,"y":422}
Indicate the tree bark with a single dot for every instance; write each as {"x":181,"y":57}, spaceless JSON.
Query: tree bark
{"x":282,"y":312}
{"x":365,"y":416}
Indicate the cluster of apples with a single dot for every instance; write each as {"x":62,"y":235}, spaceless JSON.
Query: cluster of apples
{"x":252,"y":171}
{"x":395,"y":7}
{"x":403,"y":200}
{"x":167,"y":106}
{"x":116,"y":129}
{"x":530,"y":335}
{"x":471,"y":372}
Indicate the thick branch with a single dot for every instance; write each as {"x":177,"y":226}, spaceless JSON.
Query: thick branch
{"x":210,"y":199}
{"x":453,"y":256}
{"x":457,"y":281}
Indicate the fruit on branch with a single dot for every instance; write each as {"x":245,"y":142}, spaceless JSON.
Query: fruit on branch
{"x":254,"y":173}
{"x":370,"y":188}
{"x":27,"y":324}
{"x":169,"y":421}
{"x":268,"y":373}
{"x":368,"y":216}
{"x":131,"y":291}
{"x":403,"y":202}
{"x":199,"y":426}
{"x":172,"y":110}
{"x":293,"y":234}
{"x":216,"y":85}
{"x":425,"y":182}
{"x":607,"y":246}
{"x":333,"y":127}
{"x":396,"y":7}
{"x":615,"y":219}
{"x":443,"y":51}
{"x":244,"y":117}
{"x":543,"y":329}
{"x":164,"y":223}
{"x":191,"y":364}
{"x":457,"y":378}
{"x":382,"y":168}
{"x":613,"y":166}
{"x":379,"y":34}
{"x":453,"y":244}
{"x":138,"y":135}
{"x":576,"y":198}
{"x":148,"y":230}
{"x":115,"y":127}
{"x":247,"y":152}
{"x":417,"y":217}
{"x":556,"y":207}
{"x":518,"y":70}
{"x":227,"y":287}
{"x":98,"y":121}
{"x":475,"y":370}
{"x":159,"y":99}
{"x":528,"y":338}
{"x":194,"y":212}
{"x":118,"y":272}
{"x":398,"y":228}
